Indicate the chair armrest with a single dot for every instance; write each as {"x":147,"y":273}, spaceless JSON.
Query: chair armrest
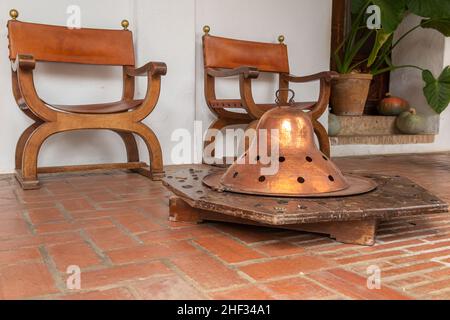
{"x":154,"y":68}
{"x":24,"y":62}
{"x":327,"y":76}
{"x":247,"y":72}
{"x":22,"y":68}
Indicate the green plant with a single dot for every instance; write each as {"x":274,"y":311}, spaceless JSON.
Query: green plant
{"x":435,"y":14}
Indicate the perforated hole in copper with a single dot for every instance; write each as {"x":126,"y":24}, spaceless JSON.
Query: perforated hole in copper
{"x":309,"y":159}
{"x":301,"y":180}
{"x":262,"y":179}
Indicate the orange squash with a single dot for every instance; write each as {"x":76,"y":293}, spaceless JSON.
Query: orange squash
{"x":392,"y":106}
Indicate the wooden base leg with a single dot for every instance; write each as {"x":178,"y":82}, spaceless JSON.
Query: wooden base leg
{"x":180,"y":211}
{"x":26,"y":184}
{"x":352,"y":232}
{"x":146,"y":172}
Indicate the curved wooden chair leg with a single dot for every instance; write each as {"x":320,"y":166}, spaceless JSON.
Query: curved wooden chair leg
{"x":322,"y":136}
{"x":21,"y":143}
{"x":156,"y":171}
{"x":27,"y":176}
{"x":130,"y":145}
{"x":217,"y":124}
{"x":248,"y":139}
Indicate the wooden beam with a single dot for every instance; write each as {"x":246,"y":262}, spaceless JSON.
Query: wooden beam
{"x":90,"y":167}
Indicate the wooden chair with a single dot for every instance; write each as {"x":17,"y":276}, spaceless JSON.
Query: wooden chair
{"x":30,"y":43}
{"x":229,"y":57}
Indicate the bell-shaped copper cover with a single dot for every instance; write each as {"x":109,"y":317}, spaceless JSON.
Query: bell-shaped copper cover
{"x":299,"y":168}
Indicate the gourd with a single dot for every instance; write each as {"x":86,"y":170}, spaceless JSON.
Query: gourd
{"x":410,"y":122}
{"x":392,"y":106}
{"x":334,"y":125}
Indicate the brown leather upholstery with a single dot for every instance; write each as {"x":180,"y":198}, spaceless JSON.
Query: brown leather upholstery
{"x":103,"y":108}
{"x":60,"y":44}
{"x":230,"y":53}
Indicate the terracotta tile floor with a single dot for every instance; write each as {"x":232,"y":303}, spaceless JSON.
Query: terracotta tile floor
{"x":114,"y":227}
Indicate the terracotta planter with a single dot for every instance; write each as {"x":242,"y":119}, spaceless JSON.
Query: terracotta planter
{"x":349,"y":94}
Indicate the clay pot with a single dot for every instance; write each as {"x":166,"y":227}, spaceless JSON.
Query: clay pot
{"x":410,"y":122}
{"x":392,"y":106}
{"x":349,"y":93}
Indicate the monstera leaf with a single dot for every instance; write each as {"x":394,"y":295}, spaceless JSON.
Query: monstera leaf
{"x":392,"y":14}
{"x":440,"y":24}
{"x":358,"y":5}
{"x":437,"y":91}
{"x":430,"y":8}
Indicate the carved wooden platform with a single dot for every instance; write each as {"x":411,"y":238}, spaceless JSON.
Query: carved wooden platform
{"x":347,"y":219}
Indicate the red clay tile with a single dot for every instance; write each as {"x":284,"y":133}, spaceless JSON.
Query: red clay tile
{"x":370,"y":257}
{"x":102,"y":196}
{"x":166,"y":288}
{"x":207,"y":272}
{"x":192,"y":232}
{"x":110,"y":294}
{"x":13,"y":228}
{"x":278,"y":249}
{"x":79,"y":254}
{"x":139,"y":210}
{"x":409,"y":269}
{"x":228,"y":249}
{"x":39,"y":216}
{"x":432,"y":286}
{"x":285,"y":267}
{"x":151,"y":251}
{"x":76,"y":205}
{"x":19,"y":256}
{"x":137,"y":223}
{"x":111,"y":238}
{"x":426,"y":247}
{"x":246,"y":293}
{"x":298,"y":289}
{"x":353,"y":286}
{"x":117,"y":275}
{"x":424,"y":256}
{"x":25,"y":281}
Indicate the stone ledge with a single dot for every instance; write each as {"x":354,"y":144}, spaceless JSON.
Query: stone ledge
{"x":367,"y":125}
{"x":383,"y":139}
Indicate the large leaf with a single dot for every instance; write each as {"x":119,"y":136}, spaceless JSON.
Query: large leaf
{"x":358,"y":6}
{"x":380,"y":40}
{"x":430,"y":8}
{"x":437,"y":91}
{"x":440,"y":24}
{"x":392,"y":13}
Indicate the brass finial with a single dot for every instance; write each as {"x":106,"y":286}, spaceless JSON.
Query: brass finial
{"x":206,"y":29}
{"x":14,"y":14}
{"x":281,"y":39}
{"x":125,"y":24}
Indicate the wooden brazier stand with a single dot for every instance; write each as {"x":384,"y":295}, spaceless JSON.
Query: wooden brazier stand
{"x":350,"y":219}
